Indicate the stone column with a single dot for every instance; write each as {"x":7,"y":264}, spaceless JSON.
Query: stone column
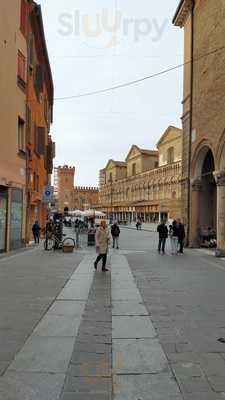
{"x":194,"y":238}
{"x":220,"y":181}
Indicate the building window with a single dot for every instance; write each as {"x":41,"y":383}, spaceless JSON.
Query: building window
{"x":31,"y":51}
{"x":29,"y":124}
{"x":39,"y":80}
{"x":37,"y":187}
{"x":134,"y":171}
{"x":170,"y":155}
{"x":21,"y":136}
{"x":156,"y":164}
{"x":24,"y":17}
{"x":21,"y":70}
{"x":110,"y":177}
{"x":40,"y":146}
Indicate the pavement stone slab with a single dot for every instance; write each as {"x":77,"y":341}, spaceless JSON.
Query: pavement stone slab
{"x":132,"y":356}
{"x":31,"y":386}
{"x":145,"y":387}
{"x":132,"y":327}
{"x":88,"y":385}
{"x":57,"y":326}
{"x":44,"y":354}
{"x":126,"y":294}
{"x":128,"y":308}
{"x":74,"y":291}
{"x":67,"y":308}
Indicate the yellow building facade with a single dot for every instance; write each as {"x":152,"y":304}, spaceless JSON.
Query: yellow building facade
{"x":147,"y":184}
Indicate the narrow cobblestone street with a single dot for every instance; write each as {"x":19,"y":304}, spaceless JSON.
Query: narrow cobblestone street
{"x":147,"y":330}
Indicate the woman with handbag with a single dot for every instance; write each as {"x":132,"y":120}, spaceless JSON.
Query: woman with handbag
{"x":102,"y":244}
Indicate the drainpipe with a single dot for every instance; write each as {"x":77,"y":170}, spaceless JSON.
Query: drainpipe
{"x":191,"y":125}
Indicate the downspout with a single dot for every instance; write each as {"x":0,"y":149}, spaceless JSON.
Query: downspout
{"x":191,"y":127}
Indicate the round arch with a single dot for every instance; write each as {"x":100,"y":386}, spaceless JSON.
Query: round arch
{"x":199,"y":158}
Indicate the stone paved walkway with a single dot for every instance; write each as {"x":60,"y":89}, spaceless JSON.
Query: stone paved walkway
{"x":146,"y":330}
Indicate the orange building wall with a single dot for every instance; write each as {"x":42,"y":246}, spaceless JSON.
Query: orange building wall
{"x":40,"y":117}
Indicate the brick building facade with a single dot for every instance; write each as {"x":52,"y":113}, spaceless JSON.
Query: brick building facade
{"x":203,"y":118}
{"x":70,"y":196}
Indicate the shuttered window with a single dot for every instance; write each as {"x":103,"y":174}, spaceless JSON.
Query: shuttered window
{"x":21,"y":135}
{"x":40,"y":141}
{"x":21,"y":70}
{"x":39,"y":78}
{"x":29,"y":124}
{"x":24,"y":17}
{"x":31,"y":50}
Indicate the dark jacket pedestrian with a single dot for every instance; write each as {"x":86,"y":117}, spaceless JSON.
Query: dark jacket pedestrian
{"x":181,"y":236}
{"x":163,"y":235}
{"x":36,"y":229}
{"x":115,"y":232}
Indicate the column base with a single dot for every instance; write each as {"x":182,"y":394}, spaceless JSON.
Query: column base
{"x":220,"y":253}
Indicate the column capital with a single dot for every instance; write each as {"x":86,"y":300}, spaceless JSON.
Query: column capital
{"x":219,"y":177}
{"x":196,"y":185}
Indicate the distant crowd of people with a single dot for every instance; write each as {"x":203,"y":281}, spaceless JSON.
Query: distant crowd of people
{"x":176,"y":234}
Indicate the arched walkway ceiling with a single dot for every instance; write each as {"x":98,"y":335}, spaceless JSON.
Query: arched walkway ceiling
{"x":204,"y":163}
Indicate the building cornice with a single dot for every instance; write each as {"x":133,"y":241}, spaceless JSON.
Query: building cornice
{"x":183,"y":10}
{"x":152,"y":174}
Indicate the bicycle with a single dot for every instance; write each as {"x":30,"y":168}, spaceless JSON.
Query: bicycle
{"x":54,"y":243}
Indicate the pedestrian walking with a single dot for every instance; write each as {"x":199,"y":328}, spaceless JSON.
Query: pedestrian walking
{"x":49,"y":230}
{"x":36,"y":229}
{"x":139,"y":224}
{"x":173,"y":234}
{"x":102,"y":244}
{"x":115,"y":232}
{"x":163,"y":235}
{"x":181,"y":236}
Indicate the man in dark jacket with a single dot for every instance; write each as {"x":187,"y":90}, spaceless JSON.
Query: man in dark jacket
{"x":163,"y":235}
{"x":115,"y":232}
{"x":36,"y":232}
{"x":181,"y":236}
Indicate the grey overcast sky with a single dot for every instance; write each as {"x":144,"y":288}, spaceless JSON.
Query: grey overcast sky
{"x":95,"y":44}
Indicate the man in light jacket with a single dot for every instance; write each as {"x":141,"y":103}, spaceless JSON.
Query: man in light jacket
{"x":102,"y":244}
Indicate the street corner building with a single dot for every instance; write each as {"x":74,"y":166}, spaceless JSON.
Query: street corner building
{"x":203,"y":168}
{"x":147,"y":184}
{"x":26,"y":109}
{"x":70,"y":197}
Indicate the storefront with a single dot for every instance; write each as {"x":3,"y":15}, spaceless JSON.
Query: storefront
{"x":16,"y":219}
{"x":3,"y":217}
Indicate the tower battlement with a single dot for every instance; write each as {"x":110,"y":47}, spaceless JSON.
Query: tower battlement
{"x":86,"y":189}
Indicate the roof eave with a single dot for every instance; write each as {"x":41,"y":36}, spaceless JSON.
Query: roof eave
{"x":183,"y":9}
